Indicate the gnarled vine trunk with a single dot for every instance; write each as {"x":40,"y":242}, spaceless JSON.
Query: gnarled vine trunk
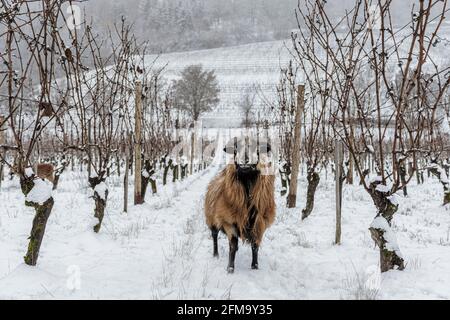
{"x":285,"y":172}
{"x":381,"y":232}
{"x":100,"y":198}
{"x":99,"y":213}
{"x":167,"y":166}
{"x":175,"y":169}
{"x":313,"y":181}
{"x":37,"y":231}
{"x":183,"y":171}
{"x":43,"y":212}
{"x":153,"y":186}
{"x":440,"y":173}
{"x":147,"y":178}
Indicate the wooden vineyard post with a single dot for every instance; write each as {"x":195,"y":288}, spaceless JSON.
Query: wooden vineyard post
{"x":89,"y":162}
{"x":191,"y":166}
{"x":138,"y":199}
{"x":72,"y":153}
{"x":125,"y":182}
{"x":352,"y":115}
{"x":338,"y":160}
{"x":292,"y":196}
{"x":2,"y":141}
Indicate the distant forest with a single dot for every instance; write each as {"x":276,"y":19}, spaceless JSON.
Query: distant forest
{"x":176,"y":25}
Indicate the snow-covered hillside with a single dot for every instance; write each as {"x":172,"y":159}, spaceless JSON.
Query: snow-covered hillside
{"x":238,"y":69}
{"x":163,"y":249}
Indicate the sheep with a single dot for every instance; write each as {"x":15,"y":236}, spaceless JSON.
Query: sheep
{"x":240,"y":202}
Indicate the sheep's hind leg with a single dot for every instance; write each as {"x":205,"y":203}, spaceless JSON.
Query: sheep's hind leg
{"x":215,"y":233}
{"x":233,"y":249}
{"x":255,"y":256}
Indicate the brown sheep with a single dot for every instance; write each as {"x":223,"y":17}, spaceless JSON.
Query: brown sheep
{"x":240,"y":202}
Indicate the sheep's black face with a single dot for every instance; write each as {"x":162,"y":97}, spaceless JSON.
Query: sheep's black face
{"x":247,"y":155}
{"x":246,"y":168}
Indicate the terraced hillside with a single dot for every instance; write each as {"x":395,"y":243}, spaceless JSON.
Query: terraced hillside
{"x":255,"y":65}
{"x":239,"y":68}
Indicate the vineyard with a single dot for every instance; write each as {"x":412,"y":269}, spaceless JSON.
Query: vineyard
{"x":109,"y":152}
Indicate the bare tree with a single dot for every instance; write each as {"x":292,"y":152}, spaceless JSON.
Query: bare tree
{"x":197,"y":91}
{"x":247,"y":104}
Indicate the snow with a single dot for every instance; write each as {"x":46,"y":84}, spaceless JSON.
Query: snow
{"x":163,"y":249}
{"x":443,"y":175}
{"x":41,"y":191}
{"x":101,"y":190}
{"x":29,"y":172}
{"x":145,"y":174}
{"x":394,"y":199}
{"x":391,"y":240}
{"x":376,"y":179}
{"x":373,"y":179}
{"x":383,"y":188}
{"x":445,"y":126}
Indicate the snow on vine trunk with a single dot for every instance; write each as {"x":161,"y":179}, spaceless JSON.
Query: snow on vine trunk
{"x":100,"y":197}
{"x":38,"y":195}
{"x":41,"y":192}
{"x":380,"y":228}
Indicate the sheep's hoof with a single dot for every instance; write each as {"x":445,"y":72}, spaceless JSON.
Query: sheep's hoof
{"x":254,"y":266}
{"x":230,"y":269}
{"x":216,"y":255}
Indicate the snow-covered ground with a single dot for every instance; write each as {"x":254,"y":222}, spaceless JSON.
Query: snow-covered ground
{"x":163,"y":250}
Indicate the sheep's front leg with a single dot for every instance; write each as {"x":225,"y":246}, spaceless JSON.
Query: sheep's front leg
{"x":215,"y":233}
{"x":255,"y":248}
{"x":233,"y":249}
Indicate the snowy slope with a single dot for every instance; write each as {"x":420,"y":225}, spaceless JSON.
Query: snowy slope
{"x":238,"y":69}
{"x":163,"y":250}
{"x":254,"y":66}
